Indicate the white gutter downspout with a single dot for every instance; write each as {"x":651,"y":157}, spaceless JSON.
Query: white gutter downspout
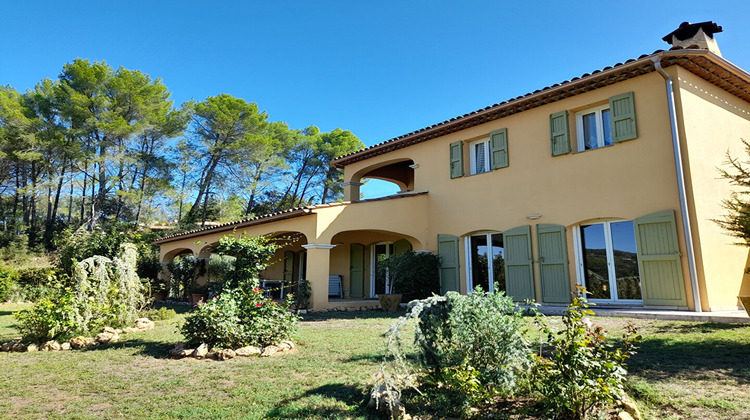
{"x":680,"y":183}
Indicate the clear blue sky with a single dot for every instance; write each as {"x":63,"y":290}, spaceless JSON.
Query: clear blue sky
{"x":377,"y":68}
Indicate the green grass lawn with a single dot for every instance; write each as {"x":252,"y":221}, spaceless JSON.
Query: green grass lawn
{"x":683,"y":370}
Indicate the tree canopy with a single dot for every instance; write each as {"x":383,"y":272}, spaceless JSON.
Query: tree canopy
{"x":107,"y":146}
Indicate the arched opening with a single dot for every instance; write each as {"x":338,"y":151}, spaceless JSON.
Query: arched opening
{"x":382,"y":179}
{"x":356,"y":255}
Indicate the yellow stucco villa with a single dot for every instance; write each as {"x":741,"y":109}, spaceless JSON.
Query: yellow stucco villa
{"x":608,"y":180}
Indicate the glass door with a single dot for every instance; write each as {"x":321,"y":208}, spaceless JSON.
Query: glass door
{"x":486,"y":263}
{"x":608,"y":262}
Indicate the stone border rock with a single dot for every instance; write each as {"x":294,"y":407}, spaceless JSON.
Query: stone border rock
{"x":107,"y":336}
{"x":180,"y":351}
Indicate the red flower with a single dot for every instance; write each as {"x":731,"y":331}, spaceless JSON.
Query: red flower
{"x":257,"y":304}
{"x":256,"y":290}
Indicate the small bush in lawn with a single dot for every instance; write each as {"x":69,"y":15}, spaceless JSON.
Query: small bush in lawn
{"x":240,"y":315}
{"x":161,"y":314}
{"x":584,"y":373}
{"x":238,"y":318}
{"x":105,"y":293}
{"x":471,"y":348}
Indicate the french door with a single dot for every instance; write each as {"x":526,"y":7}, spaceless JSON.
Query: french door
{"x":607,"y":261}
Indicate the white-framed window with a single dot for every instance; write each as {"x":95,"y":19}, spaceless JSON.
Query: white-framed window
{"x":594,"y":128}
{"x":480,"y":156}
{"x":607,"y":261}
{"x":485,"y":258}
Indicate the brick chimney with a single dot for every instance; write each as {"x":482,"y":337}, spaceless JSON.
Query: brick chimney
{"x":695,"y":35}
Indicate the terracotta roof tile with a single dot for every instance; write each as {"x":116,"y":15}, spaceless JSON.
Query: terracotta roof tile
{"x":271,"y":217}
{"x":698,"y":61}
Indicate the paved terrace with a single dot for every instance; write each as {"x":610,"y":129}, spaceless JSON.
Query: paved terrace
{"x":726,"y":317}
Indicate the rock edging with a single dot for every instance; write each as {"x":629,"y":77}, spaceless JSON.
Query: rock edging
{"x":107,"y":336}
{"x":181,"y":351}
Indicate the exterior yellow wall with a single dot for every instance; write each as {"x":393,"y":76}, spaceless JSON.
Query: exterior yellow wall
{"x":624,"y":181}
{"x":712,"y":122}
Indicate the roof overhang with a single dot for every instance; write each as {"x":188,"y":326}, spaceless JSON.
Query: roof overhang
{"x":267,"y":218}
{"x":274,"y":217}
{"x":702,"y":63}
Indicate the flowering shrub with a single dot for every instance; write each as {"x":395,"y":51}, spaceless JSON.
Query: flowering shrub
{"x":239,"y":318}
{"x":240,"y":315}
{"x":584,"y":372}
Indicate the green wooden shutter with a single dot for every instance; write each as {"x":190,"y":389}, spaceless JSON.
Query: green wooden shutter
{"x":449,"y":265}
{"x":519,"y":270}
{"x":499,"y":148}
{"x":659,"y":260}
{"x":357,"y":270}
{"x":622,"y":110}
{"x":457,"y":159}
{"x":560,"y":133}
{"x":288,"y":266}
{"x":553,"y":263}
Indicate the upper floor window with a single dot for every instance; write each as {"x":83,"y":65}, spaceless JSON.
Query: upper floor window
{"x":480,"y":156}
{"x":594,"y":128}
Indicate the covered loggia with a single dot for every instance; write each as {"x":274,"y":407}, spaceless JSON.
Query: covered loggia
{"x":357,"y":254}
{"x":398,"y":171}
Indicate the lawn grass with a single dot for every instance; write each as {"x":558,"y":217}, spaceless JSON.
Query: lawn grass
{"x":682,"y":370}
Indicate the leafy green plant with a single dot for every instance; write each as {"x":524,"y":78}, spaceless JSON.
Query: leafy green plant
{"x":8,"y":283}
{"x":185,"y":271}
{"x":252,"y":255}
{"x":415,"y":275}
{"x":470,"y":349}
{"x":584,"y":372}
{"x":160,"y":314}
{"x":301,"y":295}
{"x":239,"y":318}
{"x":105,"y":293}
{"x":240,"y":315}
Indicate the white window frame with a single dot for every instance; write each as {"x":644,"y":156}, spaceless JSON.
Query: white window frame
{"x":597,"y":111}
{"x":487,"y":156}
{"x":580,"y":272}
{"x":490,"y":257}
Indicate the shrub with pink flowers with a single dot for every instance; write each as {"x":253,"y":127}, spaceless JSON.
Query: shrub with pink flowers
{"x":239,"y":318}
{"x":241,"y":315}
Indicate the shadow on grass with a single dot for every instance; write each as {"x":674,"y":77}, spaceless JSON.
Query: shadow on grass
{"x":326,"y":316}
{"x":659,"y":358}
{"x":350,"y":400}
{"x":7,"y":313}
{"x":155,"y":349}
{"x":700,"y":328}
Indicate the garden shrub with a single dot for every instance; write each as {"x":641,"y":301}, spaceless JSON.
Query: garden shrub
{"x":584,"y":372}
{"x":240,"y":315}
{"x":470,"y":348}
{"x":184,"y":272}
{"x":238,"y":318}
{"x":415,"y":275}
{"x":160,"y":314}
{"x":104,"y":293}
{"x":8,"y":283}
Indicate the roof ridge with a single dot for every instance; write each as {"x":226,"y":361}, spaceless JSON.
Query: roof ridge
{"x":340,"y":161}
